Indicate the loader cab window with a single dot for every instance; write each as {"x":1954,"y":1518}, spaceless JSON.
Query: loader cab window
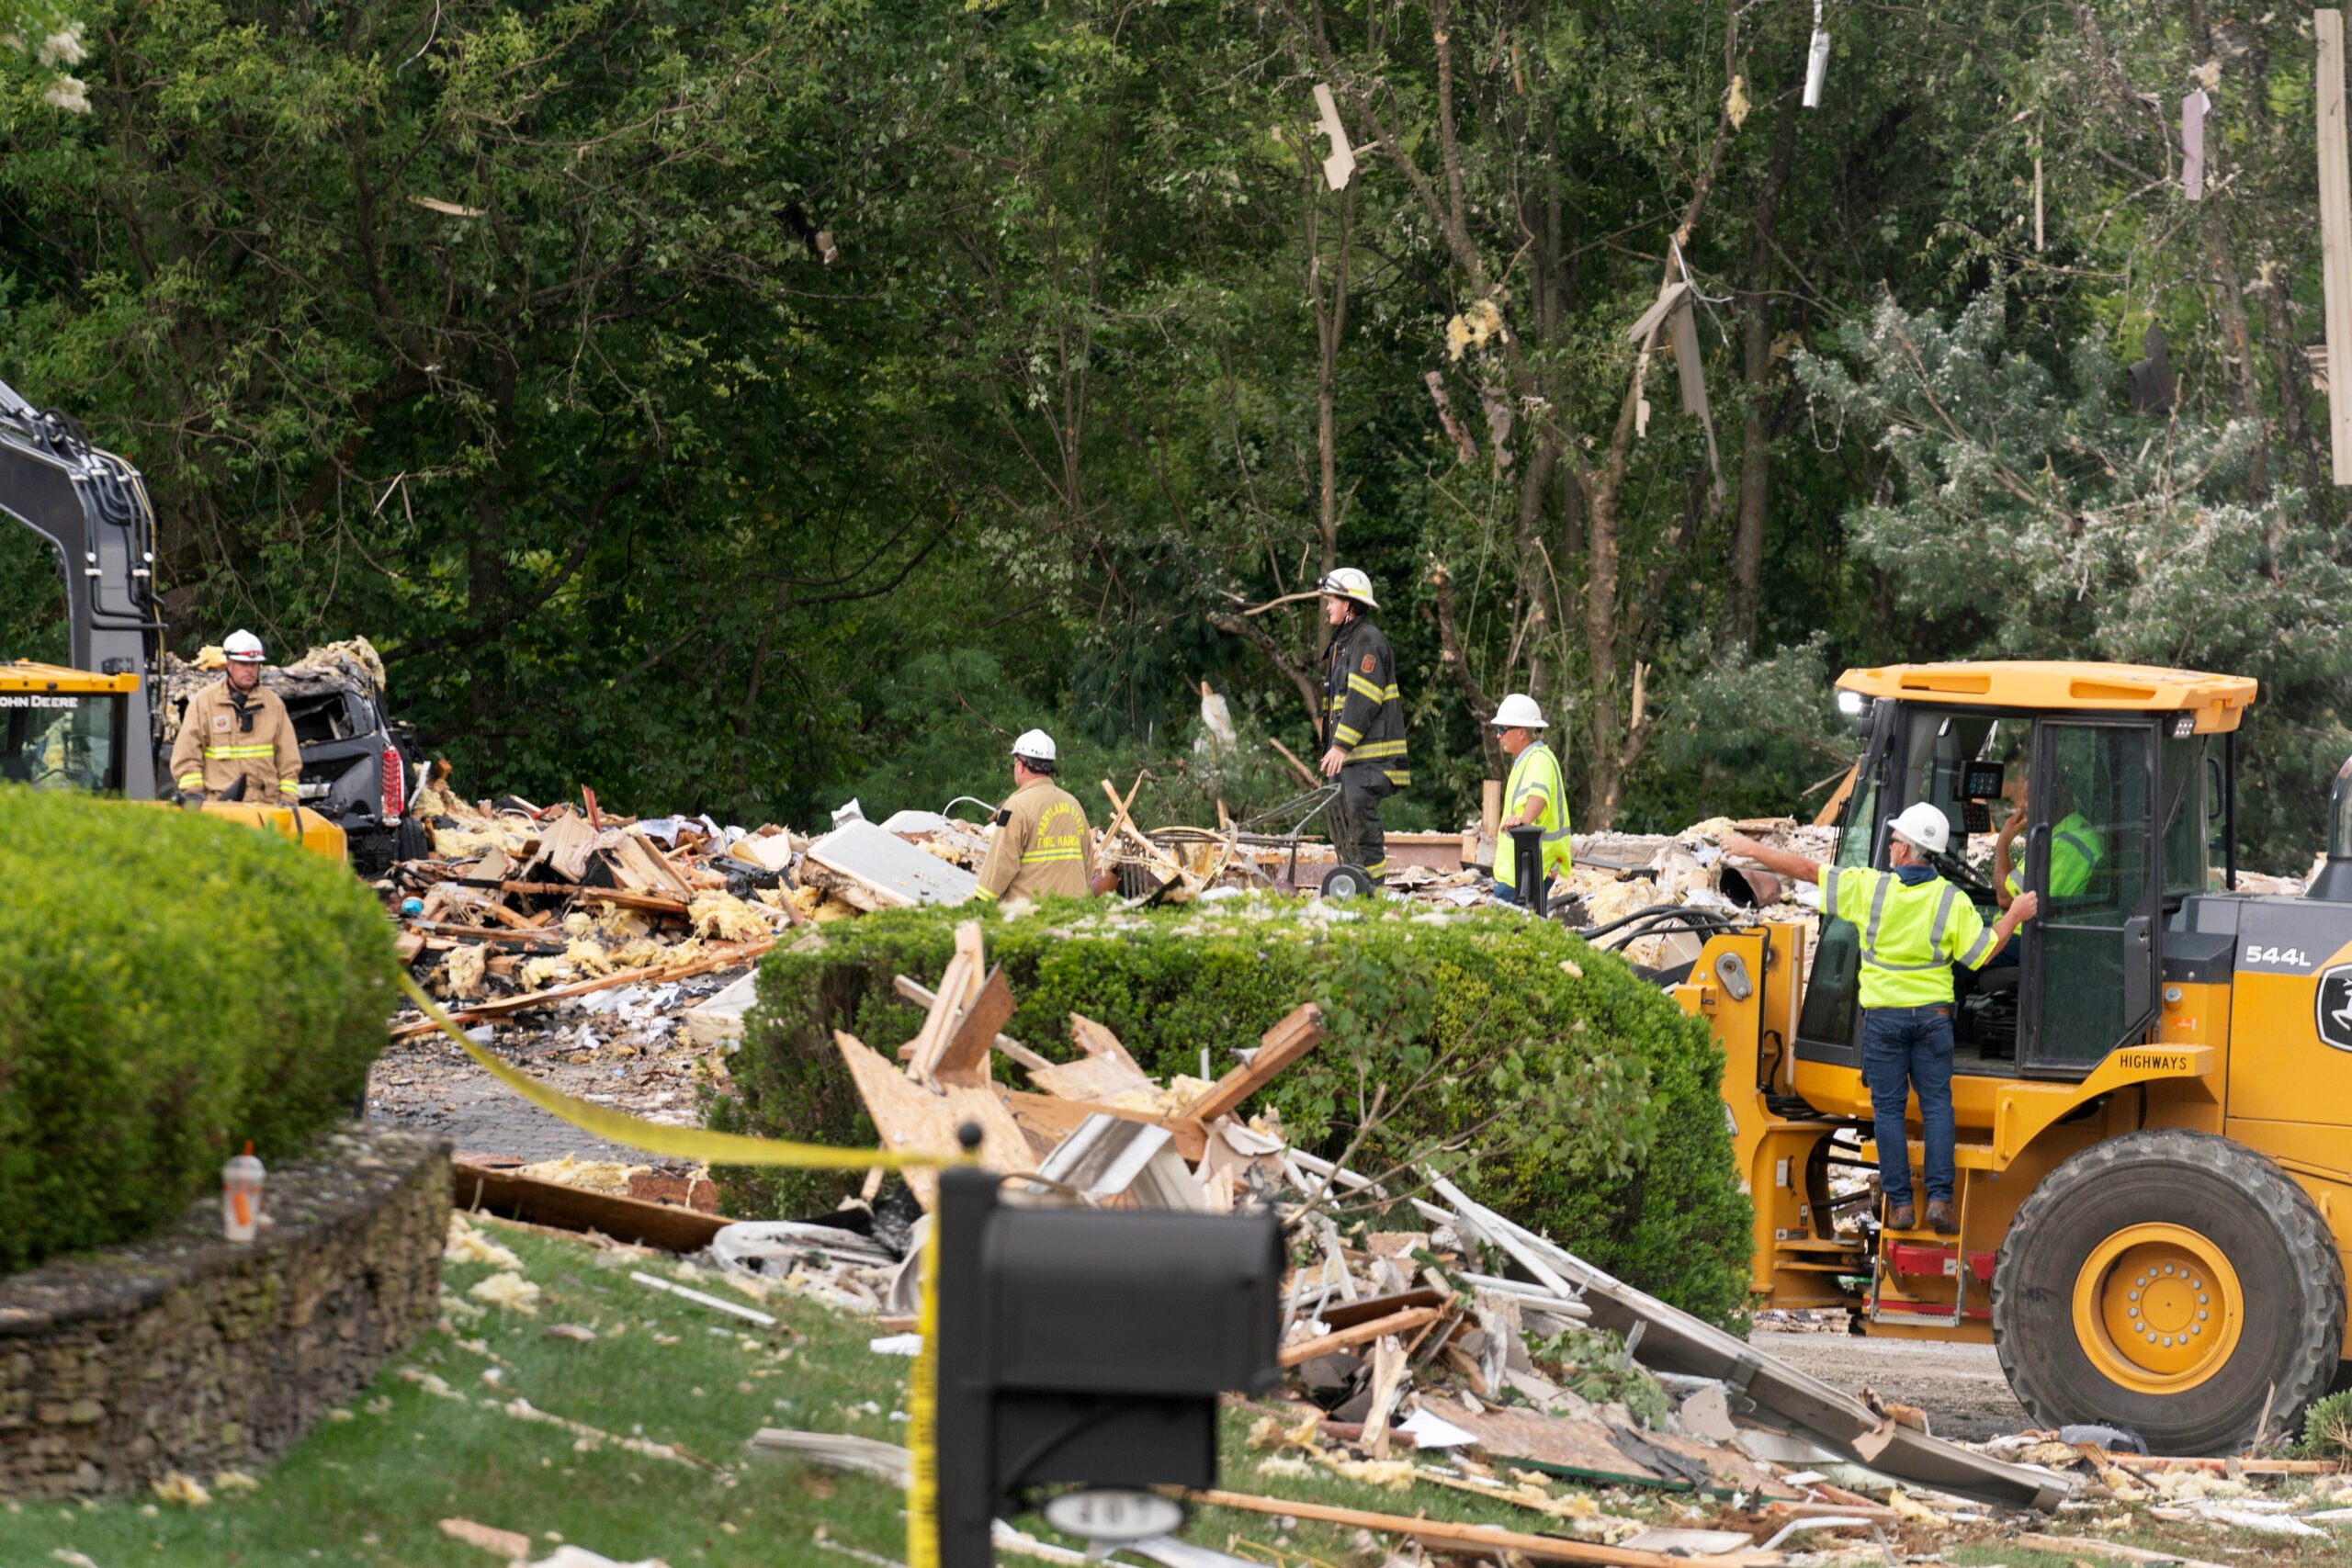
{"x":1953,"y":759}
{"x":2187,"y":819}
{"x":2090,"y":960}
{"x":64,"y":740}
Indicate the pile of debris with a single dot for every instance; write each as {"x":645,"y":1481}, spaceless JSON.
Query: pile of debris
{"x":1454,"y":1349}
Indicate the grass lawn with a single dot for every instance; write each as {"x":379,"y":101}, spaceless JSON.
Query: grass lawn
{"x":432,"y":1444}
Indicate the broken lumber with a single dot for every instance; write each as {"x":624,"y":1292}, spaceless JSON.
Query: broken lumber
{"x":1403,"y":1322}
{"x":1483,"y":1539}
{"x":711,"y":958}
{"x":2158,"y":1464}
{"x":703,"y":1299}
{"x":1105,"y":1072}
{"x":575,"y":1209}
{"x":910,"y":1118}
{"x":510,"y":1545}
{"x":965,"y":1058}
{"x":1280,"y":1046}
{"x":2078,"y":1546}
{"x":924,"y":998}
{"x":1048,"y":1120}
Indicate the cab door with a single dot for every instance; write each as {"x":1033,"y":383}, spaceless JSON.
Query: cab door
{"x":2090,"y":957}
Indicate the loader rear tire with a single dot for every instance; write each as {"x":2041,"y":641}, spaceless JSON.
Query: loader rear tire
{"x":2174,"y":1283}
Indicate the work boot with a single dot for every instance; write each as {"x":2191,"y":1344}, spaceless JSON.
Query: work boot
{"x":1902,"y":1217}
{"x":1941,"y":1217}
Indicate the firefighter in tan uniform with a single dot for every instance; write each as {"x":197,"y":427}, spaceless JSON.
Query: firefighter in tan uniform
{"x":1042,"y":844}
{"x":237,"y":733}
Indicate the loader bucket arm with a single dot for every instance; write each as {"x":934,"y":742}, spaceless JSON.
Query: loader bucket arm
{"x":92,"y":508}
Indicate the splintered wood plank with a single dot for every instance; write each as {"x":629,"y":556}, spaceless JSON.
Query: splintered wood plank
{"x":1402,"y":1322}
{"x":1285,"y":1042}
{"x":1478,"y":1540}
{"x":924,"y":998}
{"x":1096,"y":1040}
{"x":968,"y":946}
{"x":965,"y":1058}
{"x":575,"y":1209}
{"x":910,"y":1119}
{"x":1048,"y":1120}
{"x":939,"y":1026}
{"x":1095,"y":1078}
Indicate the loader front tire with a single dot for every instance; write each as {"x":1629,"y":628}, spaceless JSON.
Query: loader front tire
{"x":2174,"y":1283}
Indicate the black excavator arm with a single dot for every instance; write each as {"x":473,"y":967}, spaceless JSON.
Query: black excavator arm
{"x":92,"y":508}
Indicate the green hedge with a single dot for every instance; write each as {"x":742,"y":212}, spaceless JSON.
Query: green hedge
{"x":173,"y":984}
{"x":1590,"y":1100}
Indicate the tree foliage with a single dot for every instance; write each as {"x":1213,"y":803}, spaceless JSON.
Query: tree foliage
{"x":740,"y":405}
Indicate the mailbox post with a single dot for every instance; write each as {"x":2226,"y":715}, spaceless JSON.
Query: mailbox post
{"x":1088,"y":1346}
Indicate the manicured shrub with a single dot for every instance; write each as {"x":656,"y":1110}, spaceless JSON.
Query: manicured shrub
{"x":172,"y":984}
{"x":1581,"y":1101}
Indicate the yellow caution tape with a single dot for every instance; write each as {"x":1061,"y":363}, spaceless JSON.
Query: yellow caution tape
{"x":656,"y":1137}
{"x":923,"y":1420}
{"x":734,"y":1148}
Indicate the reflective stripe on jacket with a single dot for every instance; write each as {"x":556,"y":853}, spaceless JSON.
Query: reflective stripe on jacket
{"x":1362,"y":713}
{"x":1041,"y":846}
{"x":1535,"y":775}
{"x":2076,"y":850}
{"x":1911,"y":936}
{"x":226,"y":736}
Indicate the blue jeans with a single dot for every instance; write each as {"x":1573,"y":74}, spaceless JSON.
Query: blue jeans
{"x":1506,"y":893}
{"x":1908,"y":1050}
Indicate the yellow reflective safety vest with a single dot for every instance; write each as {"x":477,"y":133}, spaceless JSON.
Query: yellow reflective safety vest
{"x":2075,"y":850}
{"x":227,"y":735}
{"x":1911,"y":936}
{"x":1535,"y":775}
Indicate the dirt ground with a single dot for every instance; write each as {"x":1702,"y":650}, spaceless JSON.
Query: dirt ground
{"x":625,"y":1050}
{"x":1959,"y":1386}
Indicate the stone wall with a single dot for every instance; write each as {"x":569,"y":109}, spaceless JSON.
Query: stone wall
{"x":186,"y":1352}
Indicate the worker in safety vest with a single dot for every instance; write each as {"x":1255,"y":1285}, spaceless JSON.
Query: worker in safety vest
{"x":1364,"y":721}
{"x":2076,"y":848}
{"x":1914,"y":926}
{"x":1536,"y":795}
{"x":236,"y":740}
{"x":1042,"y":844}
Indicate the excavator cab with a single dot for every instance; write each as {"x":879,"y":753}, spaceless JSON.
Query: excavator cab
{"x":2151,"y":1085}
{"x":65,"y":728}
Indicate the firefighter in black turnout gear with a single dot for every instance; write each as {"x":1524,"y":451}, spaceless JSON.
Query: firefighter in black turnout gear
{"x":1364,"y":721}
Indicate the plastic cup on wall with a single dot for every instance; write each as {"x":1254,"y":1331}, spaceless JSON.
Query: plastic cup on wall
{"x":241,"y":1181}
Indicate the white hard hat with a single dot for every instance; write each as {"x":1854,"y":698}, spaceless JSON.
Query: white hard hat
{"x":1035,"y":745}
{"x":1518,"y":711}
{"x":242,"y":647}
{"x":1347,"y":582}
{"x":1923,"y":825}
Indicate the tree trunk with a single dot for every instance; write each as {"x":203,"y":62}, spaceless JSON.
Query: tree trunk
{"x":1756,"y":421}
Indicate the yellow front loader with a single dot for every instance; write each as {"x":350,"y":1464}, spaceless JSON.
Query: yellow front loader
{"x":2154,"y":1098}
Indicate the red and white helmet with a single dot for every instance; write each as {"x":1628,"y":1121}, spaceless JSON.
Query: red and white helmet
{"x":242,"y":647}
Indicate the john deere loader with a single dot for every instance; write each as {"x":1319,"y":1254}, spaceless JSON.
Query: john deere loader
{"x":2153,"y":1094}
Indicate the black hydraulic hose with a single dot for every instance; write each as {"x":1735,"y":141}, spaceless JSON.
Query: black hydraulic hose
{"x":1684,"y":912}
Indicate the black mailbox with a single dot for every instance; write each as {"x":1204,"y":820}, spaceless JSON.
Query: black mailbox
{"x":1088,"y":1347}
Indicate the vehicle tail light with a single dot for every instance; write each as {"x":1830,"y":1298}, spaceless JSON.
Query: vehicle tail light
{"x":395,"y":785}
